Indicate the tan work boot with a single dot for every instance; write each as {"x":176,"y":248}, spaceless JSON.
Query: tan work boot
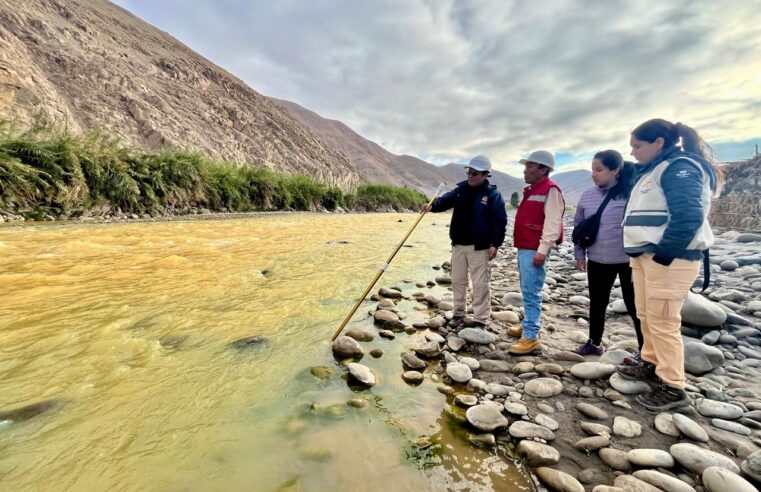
{"x":515,"y":331}
{"x":525,"y":346}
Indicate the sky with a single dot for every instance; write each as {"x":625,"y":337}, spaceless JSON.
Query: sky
{"x":446,"y":80}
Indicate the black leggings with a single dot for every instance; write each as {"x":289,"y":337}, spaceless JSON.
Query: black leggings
{"x":601,"y":277}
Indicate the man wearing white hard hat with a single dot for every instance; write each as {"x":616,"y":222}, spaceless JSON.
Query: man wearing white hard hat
{"x":477,"y":230}
{"x":538,"y":228}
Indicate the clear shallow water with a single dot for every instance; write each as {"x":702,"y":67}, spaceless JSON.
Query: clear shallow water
{"x":128,"y":328}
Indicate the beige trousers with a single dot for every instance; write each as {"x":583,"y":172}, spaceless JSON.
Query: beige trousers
{"x":466,"y":258}
{"x":659,"y":292}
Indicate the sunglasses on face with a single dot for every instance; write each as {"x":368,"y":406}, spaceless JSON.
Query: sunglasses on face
{"x":473,"y":173}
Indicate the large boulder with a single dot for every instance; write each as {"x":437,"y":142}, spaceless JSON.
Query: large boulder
{"x":699,"y":311}
{"x":700,"y":358}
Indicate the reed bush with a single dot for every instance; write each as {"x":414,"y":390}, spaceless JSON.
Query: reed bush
{"x":46,"y":168}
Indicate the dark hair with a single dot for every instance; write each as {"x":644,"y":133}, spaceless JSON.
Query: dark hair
{"x":651,"y":130}
{"x":542,"y":167}
{"x":613,"y":161}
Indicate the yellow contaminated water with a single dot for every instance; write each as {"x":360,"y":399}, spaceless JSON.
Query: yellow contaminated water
{"x":127,"y":329}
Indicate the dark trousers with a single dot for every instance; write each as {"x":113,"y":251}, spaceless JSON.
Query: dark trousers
{"x":601,"y":277}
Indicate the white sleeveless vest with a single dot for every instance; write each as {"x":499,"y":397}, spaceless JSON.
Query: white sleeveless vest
{"x":647,"y":215}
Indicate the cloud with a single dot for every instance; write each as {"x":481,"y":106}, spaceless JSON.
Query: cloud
{"x":445,"y":80}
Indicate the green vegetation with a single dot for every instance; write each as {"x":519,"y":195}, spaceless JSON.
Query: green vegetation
{"x":48,"y":170}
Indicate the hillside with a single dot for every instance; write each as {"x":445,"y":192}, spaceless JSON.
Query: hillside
{"x":94,"y":66}
{"x":374,"y":163}
{"x":573,"y":184}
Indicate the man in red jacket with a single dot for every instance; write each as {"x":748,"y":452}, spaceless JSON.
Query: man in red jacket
{"x":538,"y":228}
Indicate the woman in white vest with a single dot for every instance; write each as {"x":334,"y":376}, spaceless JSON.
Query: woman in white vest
{"x":666,"y":232}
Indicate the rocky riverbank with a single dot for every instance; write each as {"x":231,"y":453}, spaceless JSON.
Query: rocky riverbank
{"x":572,"y":419}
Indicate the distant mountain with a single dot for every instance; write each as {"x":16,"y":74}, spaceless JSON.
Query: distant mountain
{"x":573,"y":184}
{"x":373,"y":163}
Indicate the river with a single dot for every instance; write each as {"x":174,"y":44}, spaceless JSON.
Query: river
{"x":127,"y":329}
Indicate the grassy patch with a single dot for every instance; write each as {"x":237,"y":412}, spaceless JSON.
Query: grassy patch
{"x":46,"y":169}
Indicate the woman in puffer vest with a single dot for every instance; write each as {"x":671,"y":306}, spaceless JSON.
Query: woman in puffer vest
{"x":606,"y":259}
{"x":666,"y":232}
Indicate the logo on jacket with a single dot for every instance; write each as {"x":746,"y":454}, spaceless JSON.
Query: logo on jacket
{"x":647,"y":185}
{"x":485,"y":200}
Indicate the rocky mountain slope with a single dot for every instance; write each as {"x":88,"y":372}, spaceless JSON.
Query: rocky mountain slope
{"x":374,"y":163}
{"x":95,"y":66}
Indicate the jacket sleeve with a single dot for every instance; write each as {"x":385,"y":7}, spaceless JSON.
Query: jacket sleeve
{"x":579,"y":252}
{"x":682,"y":184}
{"x":498,"y":220}
{"x":445,"y":201}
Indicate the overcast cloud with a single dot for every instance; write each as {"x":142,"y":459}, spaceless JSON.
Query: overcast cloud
{"x":443,"y":80}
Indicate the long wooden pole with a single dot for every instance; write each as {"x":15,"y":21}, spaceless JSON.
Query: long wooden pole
{"x":385,"y":265}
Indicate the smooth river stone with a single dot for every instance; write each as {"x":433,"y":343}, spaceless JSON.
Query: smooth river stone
{"x":360,"y":335}
{"x":362,"y":374}
{"x":521,"y":429}
{"x":429,"y":349}
{"x":651,"y":457}
{"x":459,"y":372}
{"x":626,"y":428}
{"x":592,"y":370}
{"x":591,"y":411}
{"x":347,"y":347}
{"x":592,"y":443}
{"x":735,"y":427}
{"x":689,"y":428}
{"x":410,"y":360}
{"x":717,"y":479}
{"x":697,"y":459}
{"x":413,"y":377}
{"x":664,"y":423}
{"x":558,"y":481}
{"x":489,"y":365}
{"x":543,"y":387}
{"x":497,"y":389}
{"x":506,"y":316}
{"x":471,"y":362}
{"x":515,"y":408}
{"x":630,"y":483}
{"x":549,"y":368}
{"x":477,"y":336}
{"x":595,"y":429}
{"x":710,"y":408}
{"x":663,"y":481}
{"x":466,"y":400}
{"x":699,"y":311}
{"x":455,"y":344}
{"x":538,"y":454}
{"x":485,"y":417}
{"x":628,"y":386}
{"x":615,"y":458}
{"x":752,"y":466}
{"x":546,"y":421}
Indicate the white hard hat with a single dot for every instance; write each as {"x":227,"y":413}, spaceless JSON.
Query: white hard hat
{"x":480,"y":163}
{"x":540,"y":157}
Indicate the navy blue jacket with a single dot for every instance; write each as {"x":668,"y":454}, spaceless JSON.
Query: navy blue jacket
{"x":483,"y":219}
{"x":682,"y":185}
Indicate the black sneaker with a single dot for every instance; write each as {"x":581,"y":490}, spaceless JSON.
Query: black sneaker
{"x":664,"y":397}
{"x":456,"y":321}
{"x":644,"y":372}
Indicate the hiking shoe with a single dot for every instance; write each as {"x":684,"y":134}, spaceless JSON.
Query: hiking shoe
{"x":480,"y":324}
{"x":634,"y":361}
{"x":644,"y":372}
{"x":456,"y":321}
{"x":525,"y":346}
{"x":515,"y":331}
{"x":663,"y":397}
{"x":589,"y":348}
